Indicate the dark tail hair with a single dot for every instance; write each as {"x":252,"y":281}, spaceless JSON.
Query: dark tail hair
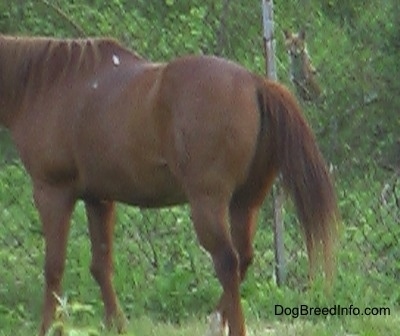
{"x":304,"y":172}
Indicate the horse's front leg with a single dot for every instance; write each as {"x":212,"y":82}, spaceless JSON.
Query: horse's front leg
{"x":55,"y":206}
{"x":101,"y":226}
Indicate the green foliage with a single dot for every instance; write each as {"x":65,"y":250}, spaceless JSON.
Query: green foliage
{"x":159,"y":269}
{"x":69,"y":316}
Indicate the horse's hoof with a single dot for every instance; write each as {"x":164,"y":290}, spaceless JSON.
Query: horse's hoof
{"x":118,"y":322}
{"x":121,"y":322}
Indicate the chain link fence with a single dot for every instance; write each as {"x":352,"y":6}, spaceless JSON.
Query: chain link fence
{"x":358,"y":143}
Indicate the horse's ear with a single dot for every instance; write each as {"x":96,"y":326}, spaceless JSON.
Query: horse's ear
{"x":302,"y":34}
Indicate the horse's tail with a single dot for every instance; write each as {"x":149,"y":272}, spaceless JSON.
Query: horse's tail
{"x":304,"y":173}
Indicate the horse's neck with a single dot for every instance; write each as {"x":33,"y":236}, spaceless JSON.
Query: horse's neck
{"x":11,"y":79}
{"x":17,"y":61}
{"x":29,"y":68}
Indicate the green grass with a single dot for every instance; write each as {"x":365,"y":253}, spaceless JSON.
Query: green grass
{"x":364,"y":327}
{"x":160,"y":273}
{"x":144,"y":326}
{"x":163,"y":280}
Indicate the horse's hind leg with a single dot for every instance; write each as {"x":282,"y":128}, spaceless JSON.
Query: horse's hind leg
{"x":101,"y":226}
{"x":243,"y":226}
{"x":55,"y":207}
{"x":210,"y":218}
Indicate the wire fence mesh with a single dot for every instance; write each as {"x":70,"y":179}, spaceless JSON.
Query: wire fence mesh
{"x":359,"y":145}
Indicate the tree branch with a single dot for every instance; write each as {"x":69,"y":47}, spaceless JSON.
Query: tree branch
{"x":221,"y":35}
{"x":81,"y":32}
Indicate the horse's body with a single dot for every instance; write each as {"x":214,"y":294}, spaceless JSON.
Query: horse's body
{"x":93,"y":121}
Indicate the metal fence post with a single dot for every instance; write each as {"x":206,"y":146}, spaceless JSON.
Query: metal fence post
{"x":270,"y":65}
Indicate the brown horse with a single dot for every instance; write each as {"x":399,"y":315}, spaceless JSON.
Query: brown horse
{"x":93,"y":121}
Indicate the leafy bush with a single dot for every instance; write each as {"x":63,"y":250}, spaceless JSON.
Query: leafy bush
{"x":159,"y":269}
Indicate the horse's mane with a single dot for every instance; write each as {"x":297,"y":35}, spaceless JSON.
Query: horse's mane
{"x":40,"y":61}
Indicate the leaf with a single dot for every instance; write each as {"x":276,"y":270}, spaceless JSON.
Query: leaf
{"x":82,"y":308}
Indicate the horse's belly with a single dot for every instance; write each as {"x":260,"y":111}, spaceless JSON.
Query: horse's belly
{"x":158,"y":200}
{"x":148,"y":186}
{"x":154,"y":194}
